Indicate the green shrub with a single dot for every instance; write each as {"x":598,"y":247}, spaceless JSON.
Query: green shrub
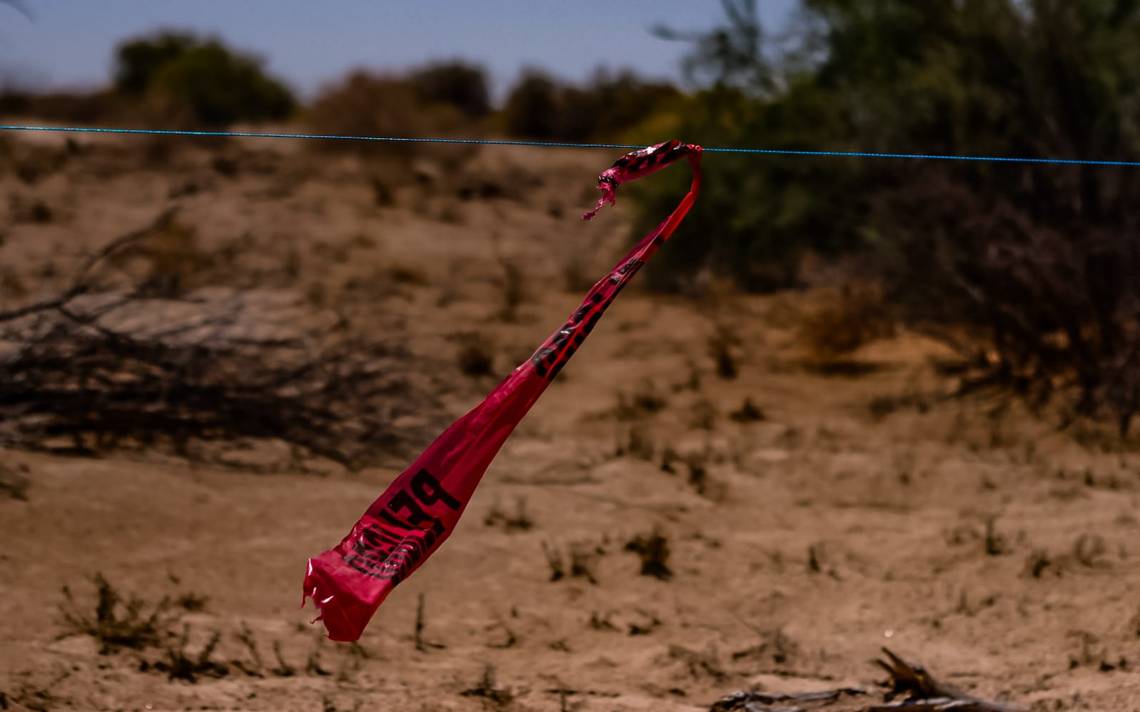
{"x":364,"y":104}
{"x":454,"y":83}
{"x":540,"y":107}
{"x":198,"y":82}
{"x":1037,"y":262}
{"x":532,"y":107}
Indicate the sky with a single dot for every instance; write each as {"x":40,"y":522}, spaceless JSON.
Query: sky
{"x":70,"y":43}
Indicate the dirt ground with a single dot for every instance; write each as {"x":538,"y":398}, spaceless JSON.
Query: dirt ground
{"x":853,"y":507}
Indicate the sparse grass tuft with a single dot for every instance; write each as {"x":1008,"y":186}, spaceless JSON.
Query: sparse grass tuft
{"x":748,"y":412}
{"x":850,"y":317}
{"x":637,"y":443}
{"x":180,"y":664}
{"x":645,"y":400}
{"x":382,"y":194}
{"x":14,"y":482}
{"x":1037,"y":563}
{"x":476,"y":356}
{"x":1089,"y":550}
{"x":191,"y":602}
{"x":700,"y":480}
{"x":995,"y":544}
{"x":496,"y":697}
{"x":653,"y":549}
{"x":171,"y":258}
{"x":575,"y":277}
{"x":723,"y":345}
{"x":582,"y":561}
{"x":519,"y":521}
{"x":704,"y":415}
{"x":513,"y":286}
{"x":116,"y":622}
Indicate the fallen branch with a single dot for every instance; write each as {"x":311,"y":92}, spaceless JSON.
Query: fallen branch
{"x":103,"y":366}
{"x":754,"y":701}
{"x":925,"y":693}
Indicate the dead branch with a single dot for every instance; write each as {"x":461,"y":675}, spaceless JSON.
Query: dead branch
{"x":99,"y":368}
{"x":925,"y":693}
{"x":756,"y":701}
{"x":83,"y":283}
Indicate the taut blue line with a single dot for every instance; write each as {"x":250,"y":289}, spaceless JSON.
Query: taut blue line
{"x":566,"y":144}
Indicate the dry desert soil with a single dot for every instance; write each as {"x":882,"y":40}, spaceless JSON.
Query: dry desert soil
{"x":851,"y":506}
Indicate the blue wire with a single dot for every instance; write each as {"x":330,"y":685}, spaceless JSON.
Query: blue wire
{"x":564,"y":144}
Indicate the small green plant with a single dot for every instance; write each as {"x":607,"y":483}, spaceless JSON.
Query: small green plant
{"x":199,"y":82}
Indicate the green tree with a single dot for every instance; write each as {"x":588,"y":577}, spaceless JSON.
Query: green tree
{"x":198,"y":82}
{"x":532,"y":106}
{"x":137,"y":60}
{"x":454,"y":83}
{"x":1042,"y":260}
{"x":540,"y":107}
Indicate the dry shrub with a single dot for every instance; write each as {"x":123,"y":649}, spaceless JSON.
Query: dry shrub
{"x":34,"y":211}
{"x":653,"y":550}
{"x":703,"y":415}
{"x":493,"y":696}
{"x":724,"y":345}
{"x":846,"y":319}
{"x":576,"y":277}
{"x":14,"y":481}
{"x":645,"y":400}
{"x":578,"y":561}
{"x":367,"y":104}
{"x":117,"y":622}
{"x":476,"y":355}
{"x":32,"y":163}
{"x":748,"y":412}
{"x":106,"y":366}
{"x":1049,"y":298}
{"x":513,"y":289}
{"x":638,"y":443}
{"x":520,"y":520}
{"x":181,"y":663}
{"x":170,"y":258}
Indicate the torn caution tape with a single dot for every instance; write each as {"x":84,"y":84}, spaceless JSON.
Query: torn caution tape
{"x":420,"y":509}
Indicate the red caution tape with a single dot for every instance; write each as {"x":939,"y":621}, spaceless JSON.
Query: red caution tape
{"x":420,"y":509}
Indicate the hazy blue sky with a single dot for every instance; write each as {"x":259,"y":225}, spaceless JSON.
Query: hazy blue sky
{"x":69,"y":43}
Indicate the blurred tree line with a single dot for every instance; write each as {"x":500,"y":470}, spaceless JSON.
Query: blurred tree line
{"x":541,"y":107}
{"x":169,"y":79}
{"x":182,"y":80}
{"x":1041,"y":261}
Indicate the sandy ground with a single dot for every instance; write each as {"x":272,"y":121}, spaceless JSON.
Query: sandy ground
{"x":962,"y":533}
